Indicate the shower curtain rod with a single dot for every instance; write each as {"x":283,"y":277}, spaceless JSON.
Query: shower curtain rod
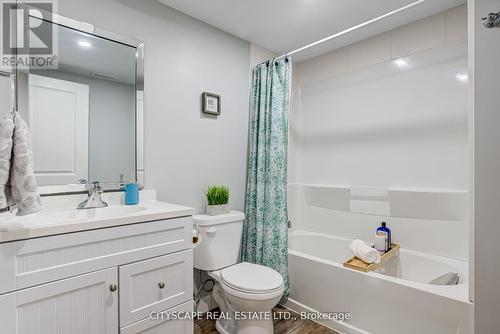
{"x":344,"y":32}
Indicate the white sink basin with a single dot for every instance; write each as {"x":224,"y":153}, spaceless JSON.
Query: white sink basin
{"x":86,"y":214}
{"x":54,"y":220}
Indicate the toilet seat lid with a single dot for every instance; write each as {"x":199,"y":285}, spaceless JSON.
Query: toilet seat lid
{"x":251,"y":277}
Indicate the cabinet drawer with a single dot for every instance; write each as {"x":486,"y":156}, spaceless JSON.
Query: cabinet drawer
{"x":154,"y":285}
{"x":37,"y":261}
{"x":78,"y":305}
{"x":159,"y":326}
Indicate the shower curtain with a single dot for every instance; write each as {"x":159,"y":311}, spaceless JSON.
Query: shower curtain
{"x":265,"y":232}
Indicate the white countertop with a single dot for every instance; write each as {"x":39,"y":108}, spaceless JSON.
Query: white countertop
{"x":52,"y":221}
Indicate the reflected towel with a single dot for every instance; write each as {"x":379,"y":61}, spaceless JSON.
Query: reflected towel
{"x":364,"y":252}
{"x":22,"y":176}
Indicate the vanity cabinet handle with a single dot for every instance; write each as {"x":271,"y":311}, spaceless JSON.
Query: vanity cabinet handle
{"x":161,"y":285}
{"x":113,"y":287}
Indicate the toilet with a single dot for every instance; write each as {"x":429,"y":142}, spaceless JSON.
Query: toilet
{"x":245,"y":292}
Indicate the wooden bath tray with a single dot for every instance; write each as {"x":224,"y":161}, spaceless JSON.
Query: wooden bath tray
{"x":357,"y":264}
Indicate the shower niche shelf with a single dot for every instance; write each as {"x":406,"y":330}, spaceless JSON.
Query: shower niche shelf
{"x":357,"y":264}
{"x":431,"y":204}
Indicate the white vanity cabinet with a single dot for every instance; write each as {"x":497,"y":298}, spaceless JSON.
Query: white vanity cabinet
{"x":103,"y":281}
{"x":165,"y":326}
{"x":154,"y":285}
{"x":82,"y":304}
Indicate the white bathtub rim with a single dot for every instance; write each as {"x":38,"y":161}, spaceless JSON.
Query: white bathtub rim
{"x":456,"y":261}
{"x":460,"y":264}
{"x":456,"y":292}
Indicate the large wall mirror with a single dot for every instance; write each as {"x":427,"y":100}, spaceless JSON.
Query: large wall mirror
{"x":85,"y":116}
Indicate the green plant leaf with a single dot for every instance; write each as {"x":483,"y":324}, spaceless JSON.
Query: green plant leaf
{"x":217,"y":195}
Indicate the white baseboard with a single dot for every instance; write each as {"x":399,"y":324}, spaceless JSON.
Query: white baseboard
{"x":341,"y":327}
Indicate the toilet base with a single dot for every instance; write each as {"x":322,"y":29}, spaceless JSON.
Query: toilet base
{"x":220,"y":328}
{"x":246,"y":327}
{"x":229,"y":325}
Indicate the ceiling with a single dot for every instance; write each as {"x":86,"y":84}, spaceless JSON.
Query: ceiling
{"x":285,"y":25}
{"x":91,"y":56}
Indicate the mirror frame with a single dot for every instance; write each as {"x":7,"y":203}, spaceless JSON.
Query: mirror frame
{"x":88,"y":28}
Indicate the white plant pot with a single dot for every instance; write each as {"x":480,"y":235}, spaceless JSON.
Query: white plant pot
{"x":214,"y":210}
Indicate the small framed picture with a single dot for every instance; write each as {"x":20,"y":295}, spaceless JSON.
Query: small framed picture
{"x":210,"y":103}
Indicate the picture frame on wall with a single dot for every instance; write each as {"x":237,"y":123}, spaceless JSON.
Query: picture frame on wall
{"x":211,"y":104}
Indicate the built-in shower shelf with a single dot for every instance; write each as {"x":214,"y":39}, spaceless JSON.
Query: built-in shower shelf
{"x":358,"y":264}
{"x":432,"y":204}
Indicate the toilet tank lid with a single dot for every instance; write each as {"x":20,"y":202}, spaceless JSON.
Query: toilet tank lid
{"x":206,"y":220}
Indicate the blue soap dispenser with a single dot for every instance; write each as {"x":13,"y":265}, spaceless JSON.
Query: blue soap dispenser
{"x":385,"y":230}
{"x":131,"y":189}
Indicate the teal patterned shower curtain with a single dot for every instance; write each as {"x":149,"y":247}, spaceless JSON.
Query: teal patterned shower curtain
{"x":265,"y":232}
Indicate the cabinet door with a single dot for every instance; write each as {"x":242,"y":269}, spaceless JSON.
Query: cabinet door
{"x":155,"y":285}
{"x":182,"y":325}
{"x":80,"y":305}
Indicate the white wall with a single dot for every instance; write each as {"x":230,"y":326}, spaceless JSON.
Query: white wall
{"x":259,"y":54}
{"x":485,"y":72}
{"x":184,"y":151}
{"x":112,"y":129}
{"x":359,"y":120}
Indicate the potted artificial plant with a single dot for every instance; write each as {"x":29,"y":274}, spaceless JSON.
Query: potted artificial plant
{"x":217,"y":200}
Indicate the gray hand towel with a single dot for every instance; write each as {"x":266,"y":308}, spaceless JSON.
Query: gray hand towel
{"x":6,"y":135}
{"x":22,"y":176}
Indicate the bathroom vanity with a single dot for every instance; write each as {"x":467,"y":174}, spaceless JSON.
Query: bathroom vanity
{"x":98,"y":271}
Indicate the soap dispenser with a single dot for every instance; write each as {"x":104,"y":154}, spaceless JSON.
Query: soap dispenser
{"x":131,"y":189}
{"x":384,"y":230}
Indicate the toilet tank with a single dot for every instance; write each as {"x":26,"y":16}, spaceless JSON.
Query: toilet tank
{"x":220,"y":240}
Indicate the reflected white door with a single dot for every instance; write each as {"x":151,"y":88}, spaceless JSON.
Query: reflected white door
{"x":59,"y":125}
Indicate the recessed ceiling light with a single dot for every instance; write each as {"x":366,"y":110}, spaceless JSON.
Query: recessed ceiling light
{"x":401,"y":63}
{"x":84,"y":44}
{"x":462,"y":77}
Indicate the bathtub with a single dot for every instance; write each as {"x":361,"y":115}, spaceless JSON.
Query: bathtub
{"x":396,"y":299}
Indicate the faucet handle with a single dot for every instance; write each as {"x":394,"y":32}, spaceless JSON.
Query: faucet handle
{"x":96,"y":186}
{"x":94,"y":200}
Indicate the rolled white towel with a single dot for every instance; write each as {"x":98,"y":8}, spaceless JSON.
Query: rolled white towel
{"x":364,"y":252}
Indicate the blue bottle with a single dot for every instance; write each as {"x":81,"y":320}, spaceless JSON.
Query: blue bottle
{"x":385,"y":230}
{"x":131,"y":193}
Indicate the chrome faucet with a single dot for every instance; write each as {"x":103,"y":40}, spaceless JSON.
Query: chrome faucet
{"x":492,"y":20}
{"x":94,"y":200}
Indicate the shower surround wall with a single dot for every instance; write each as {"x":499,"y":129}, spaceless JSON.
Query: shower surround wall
{"x":391,"y":112}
